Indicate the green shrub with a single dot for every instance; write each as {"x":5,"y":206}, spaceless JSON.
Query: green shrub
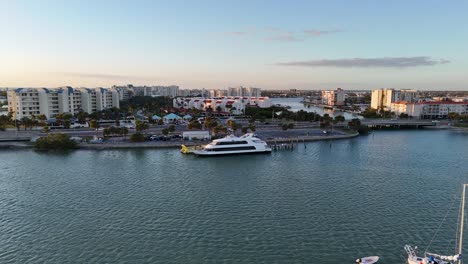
{"x":56,"y":141}
{"x":137,"y":137}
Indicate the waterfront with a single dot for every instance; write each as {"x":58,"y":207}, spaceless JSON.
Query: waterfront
{"x":296,"y":105}
{"x":324,"y":202}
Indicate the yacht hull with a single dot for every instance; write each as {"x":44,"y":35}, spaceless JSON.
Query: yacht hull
{"x":229,"y":153}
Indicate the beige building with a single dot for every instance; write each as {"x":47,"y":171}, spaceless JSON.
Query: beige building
{"x":382,"y":99}
{"x":334,"y":98}
{"x":429,"y":110}
{"x":244,"y":91}
{"x":25,"y":102}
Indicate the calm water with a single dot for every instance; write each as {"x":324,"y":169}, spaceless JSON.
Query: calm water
{"x":296,"y":105}
{"x":321,"y":203}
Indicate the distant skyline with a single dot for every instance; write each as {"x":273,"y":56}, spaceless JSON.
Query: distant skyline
{"x":217,"y":44}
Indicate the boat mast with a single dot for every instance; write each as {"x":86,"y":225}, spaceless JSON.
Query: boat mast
{"x":460,"y":243}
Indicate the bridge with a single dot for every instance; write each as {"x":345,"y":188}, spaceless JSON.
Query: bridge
{"x":397,"y":123}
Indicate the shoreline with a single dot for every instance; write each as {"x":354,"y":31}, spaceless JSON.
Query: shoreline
{"x":168,"y":145}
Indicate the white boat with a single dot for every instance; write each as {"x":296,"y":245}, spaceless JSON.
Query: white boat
{"x":433,"y":258}
{"x":368,"y":260}
{"x":230,"y":145}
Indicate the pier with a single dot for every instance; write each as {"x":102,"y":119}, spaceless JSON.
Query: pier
{"x":282,"y":146}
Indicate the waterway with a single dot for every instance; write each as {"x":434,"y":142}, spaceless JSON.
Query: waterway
{"x":296,"y":104}
{"x":324,"y":202}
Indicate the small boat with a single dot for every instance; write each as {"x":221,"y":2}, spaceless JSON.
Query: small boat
{"x":368,"y":260}
{"x":231,"y":145}
{"x":435,"y":258}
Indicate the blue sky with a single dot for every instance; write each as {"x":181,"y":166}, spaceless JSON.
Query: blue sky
{"x":216,"y":44}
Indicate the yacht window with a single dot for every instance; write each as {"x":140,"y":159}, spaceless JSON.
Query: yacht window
{"x":230,"y":143}
{"x":234,"y":148}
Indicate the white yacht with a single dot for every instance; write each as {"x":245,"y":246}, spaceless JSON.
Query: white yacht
{"x":230,"y":145}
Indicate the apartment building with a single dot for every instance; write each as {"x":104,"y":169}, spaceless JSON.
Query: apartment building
{"x":382,"y":99}
{"x":227,"y":104}
{"x":244,"y":91}
{"x":429,"y":110}
{"x":334,"y":98}
{"x":25,"y":102}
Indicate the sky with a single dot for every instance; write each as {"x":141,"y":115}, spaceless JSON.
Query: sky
{"x":218,"y":44}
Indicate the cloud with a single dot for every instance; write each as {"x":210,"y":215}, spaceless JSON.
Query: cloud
{"x":286,"y":36}
{"x":93,"y":75}
{"x":318,"y":33}
{"x":385,"y":62}
{"x":280,"y":35}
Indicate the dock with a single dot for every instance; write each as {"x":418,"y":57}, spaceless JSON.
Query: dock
{"x":282,"y":146}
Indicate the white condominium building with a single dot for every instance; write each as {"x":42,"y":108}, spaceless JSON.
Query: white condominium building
{"x":230,"y":104}
{"x":244,"y":91}
{"x":171,"y":91}
{"x":383,"y":98}
{"x":334,"y":98}
{"x":124,"y":91}
{"x":218,"y":93}
{"x":25,"y":102}
{"x":429,"y":110}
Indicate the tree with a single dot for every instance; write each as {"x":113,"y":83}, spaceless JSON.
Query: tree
{"x":453,"y":116}
{"x":140,"y":126}
{"x":233,"y":125}
{"x":354,"y":124}
{"x":42,"y":119}
{"x":56,"y":141}
{"x":63,"y":119}
{"x":210,"y":123}
{"x":81,"y":116}
{"x":194,"y":125}
{"x":93,"y":124}
{"x":4,"y":121}
{"x":339,"y":118}
{"x":124,"y":131}
{"x":252,"y":127}
{"x":171,"y":128}
{"x":137,"y":137}
{"x":284,"y":127}
{"x":244,"y":130}
{"x":219,"y":128}
{"x":165,"y":131}
{"x":290,"y":126}
{"x":26,"y":122}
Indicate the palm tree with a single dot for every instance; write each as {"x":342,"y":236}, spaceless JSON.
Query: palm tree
{"x":233,"y":125}
{"x":219,"y":128}
{"x":210,"y":123}
{"x":140,"y":126}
